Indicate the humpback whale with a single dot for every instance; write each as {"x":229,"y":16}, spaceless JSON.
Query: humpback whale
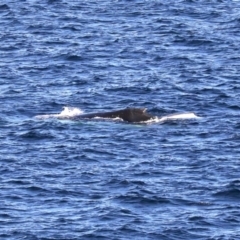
{"x":127,"y":114}
{"x":132,"y":115}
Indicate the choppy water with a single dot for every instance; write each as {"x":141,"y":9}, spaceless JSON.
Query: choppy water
{"x":107,"y":179}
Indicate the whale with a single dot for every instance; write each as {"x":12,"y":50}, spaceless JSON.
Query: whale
{"x":130,"y":114}
{"x":127,"y":114}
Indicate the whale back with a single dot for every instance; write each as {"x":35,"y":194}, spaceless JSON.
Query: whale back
{"x":128,"y":114}
{"x":135,"y":115}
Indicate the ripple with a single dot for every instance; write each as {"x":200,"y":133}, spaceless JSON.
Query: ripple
{"x":103,"y":179}
{"x":4,"y":7}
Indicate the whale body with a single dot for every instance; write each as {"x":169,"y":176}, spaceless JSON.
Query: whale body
{"x":127,"y":114}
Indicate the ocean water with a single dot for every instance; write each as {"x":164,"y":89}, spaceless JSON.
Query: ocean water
{"x":103,"y":179}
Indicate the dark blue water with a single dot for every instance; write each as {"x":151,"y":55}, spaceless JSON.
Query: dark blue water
{"x":107,"y":179}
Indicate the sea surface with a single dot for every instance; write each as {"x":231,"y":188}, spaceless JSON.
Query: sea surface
{"x":107,"y":179}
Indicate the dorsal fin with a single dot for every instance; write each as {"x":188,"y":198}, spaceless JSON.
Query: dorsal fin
{"x":139,"y":109}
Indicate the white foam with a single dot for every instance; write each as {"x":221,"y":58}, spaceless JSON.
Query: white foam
{"x":66,"y":113}
{"x":70,"y":112}
{"x":176,"y":116}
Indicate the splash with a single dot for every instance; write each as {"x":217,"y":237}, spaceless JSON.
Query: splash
{"x":176,"y":116}
{"x":67,"y":112}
